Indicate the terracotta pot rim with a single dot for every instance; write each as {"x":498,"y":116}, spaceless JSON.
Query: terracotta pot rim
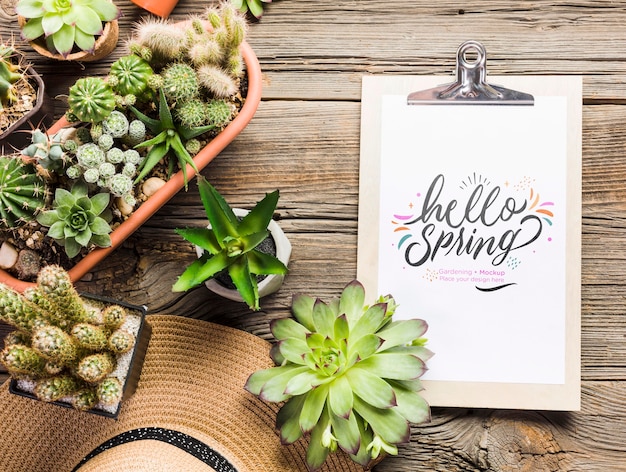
{"x":173,"y":185}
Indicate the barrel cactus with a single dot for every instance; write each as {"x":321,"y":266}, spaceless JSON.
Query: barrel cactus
{"x":131,"y":73}
{"x":64,"y":357}
{"x":91,"y":99}
{"x":348,"y":374}
{"x":22,"y":191}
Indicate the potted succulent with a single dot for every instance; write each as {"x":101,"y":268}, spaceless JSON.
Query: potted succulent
{"x":85,"y":30}
{"x":78,"y":352}
{"x":162,"y":114}
{"x":23,"y":101}
{"x":231,"y":249}
{"x":348,"y":376}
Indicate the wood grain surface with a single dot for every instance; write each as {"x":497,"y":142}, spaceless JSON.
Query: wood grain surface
{"x":304,"y":140}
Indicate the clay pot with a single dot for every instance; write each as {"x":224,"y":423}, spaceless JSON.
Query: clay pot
{"x":160,"y":8}
{"x":17,"y":136}
{"x":173,"y":185}
{"x":105,"y":44}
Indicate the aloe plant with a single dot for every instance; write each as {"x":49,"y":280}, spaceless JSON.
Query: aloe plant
{"x":65,"y":23}
{"x":230,"y":244}
{"x":348,"y":374}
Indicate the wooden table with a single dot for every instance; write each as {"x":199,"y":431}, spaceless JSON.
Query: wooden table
{"x":304,"y":140}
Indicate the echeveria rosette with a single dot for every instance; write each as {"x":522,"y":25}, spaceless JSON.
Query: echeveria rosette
{"x":230,"y":245}
{"x":66,"y":22}
{"x":349,"y":376}
{"x":76,"y":220}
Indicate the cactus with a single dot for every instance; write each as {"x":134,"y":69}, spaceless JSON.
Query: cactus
{"x":191,"y":113}
{"x":76,"y":220}
{"x":180,"y":82}
{"x":132,"y":74}
{"x":156,"y":41}
{"x":91,"y":99}
{"x":9,"y":75}
{"x":74,"y":361}
{"x":116,"y":124}
{"x":217,"y":81}
{"x":22,"y":192}
{"x":219,"y":112}
{"x":109,"y":391}
{"x":47,"y":150}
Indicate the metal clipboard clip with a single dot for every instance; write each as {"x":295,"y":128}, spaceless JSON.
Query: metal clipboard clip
{"x":471,"y":87}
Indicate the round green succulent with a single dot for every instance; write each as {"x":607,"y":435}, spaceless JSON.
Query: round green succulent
{"x":22,"y":191}
{"x":65,"y":23}
{"x":349,"y":376}
{"x":76,"y":219}
{"x":91,"y":99}
{"x":132,"y":73}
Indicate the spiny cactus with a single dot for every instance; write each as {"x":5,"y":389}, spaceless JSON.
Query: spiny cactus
{"x":76,"y":220}
{"x":180,"y":82}
{"x":219,"y":112}
{"x":157,"y":41}
{"x":22,"y":191}
{"x":9,"y":75}
{"x":191,"y":113}
{"x":91,"y":99}
{"x":132,"y":74}
{"x":74,"y":361}
{"x":217,"y":81}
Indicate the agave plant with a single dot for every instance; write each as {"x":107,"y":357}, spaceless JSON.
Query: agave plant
{"x":230,"y":244}
{"x":66,"y":22}
{"x":349,"y":376}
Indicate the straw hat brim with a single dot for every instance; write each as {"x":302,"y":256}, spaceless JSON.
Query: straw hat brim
{"x":189,"y":413}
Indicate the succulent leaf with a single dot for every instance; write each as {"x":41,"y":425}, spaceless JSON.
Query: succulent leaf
{"x":340,"y":397}
{"x":395,"y":366}
{"x":285,"y":328}
{"x":347,"y":432}
{"x":288,"y":420}
{"x":401,"y":333}
{"x":388,"y":423}
{"x":312,"y":408}
{"x":371,"y":388}
{"x":302,"y":310}
{"x":351,"y":301}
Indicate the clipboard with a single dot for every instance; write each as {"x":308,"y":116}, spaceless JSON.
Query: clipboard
{"x":470,"y":216}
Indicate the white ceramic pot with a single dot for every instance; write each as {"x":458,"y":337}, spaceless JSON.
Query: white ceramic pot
{"x":271,"y":283}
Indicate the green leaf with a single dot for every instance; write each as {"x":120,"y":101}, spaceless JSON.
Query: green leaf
{"x":312,"y":408}
{"x":202,"y":237}
{"x":352,"y":301}
{"x":199,"y":271}
{"x":63,"y":40}
{"x":302,"y":310}
{"x":106,"y":10}
{"x":418,"y":351}
{"x":245,"y":282}
{"x":387,"y":423}
{"x":30,"y":8}
{"x":152,"y":158}
{"x":394,"y":366}
{"x":223,"y":221}
{"x":153,"y":125}
{"x":100,"y":226}
{"x":365,"y":347}
{"x":341,"y":328}
{"x":87,"y":20}
{"x":100,"y":202}
{"x":363,"y":456}
{"x":189,"y":133}
{"x":57,"y":230}
{"x":402,"y":332}
{"x":258,"y":219}
{"x":256,"y":8}
{"x":316,"y":454}
{"x":255,"y":382}
{"x":284,"y":328}
{"x":304,"y":382}
{"x":347,"y":433}
{"x":411,"y":405}
{"x":48,"y":218}
{"x":250,"y":241}
{"x":264,"y":264}
{"x":276,"y":388}
{"x":86,"y":42}
{"x":51,"y":23}
{"x":32,"y":29}
{"x":340,"y":397}
{"x":368,"y":323}
{"x":101,"y":240}
{"x":294,"y":349}
{"x":288,"y":420}
{"x":83,"y":237}
{"x":323,"y":319}
{"x":371,"y":388}
{"x":72,"y":248}
{"x":63,"y":198}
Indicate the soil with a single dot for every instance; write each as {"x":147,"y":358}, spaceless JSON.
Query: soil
{"x":26,"y":99}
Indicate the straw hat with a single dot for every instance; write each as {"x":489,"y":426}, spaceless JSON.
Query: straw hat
{"x":189,"y":413}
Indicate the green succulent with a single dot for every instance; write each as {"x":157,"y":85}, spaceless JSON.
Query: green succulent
{"x":349,"y":376}
{"x":22,"y":192}
{"x":76,"y":220}
{"x":168,"y":136}
{"x":132,"y":74}
{"x":255,"y":7}
{"x":91,"y":99}
{"x":230,"y":244}
{"x":65,"y":23}
{"x":9,"y":74}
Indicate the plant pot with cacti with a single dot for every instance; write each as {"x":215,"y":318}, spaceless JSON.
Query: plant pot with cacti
{"x":68,"y":30}
{"x":24,"y":104}
{"x":242,"y":255}
{"x":347,"y":375}
{"x":128,"y":143}
{"x":74,"y":350}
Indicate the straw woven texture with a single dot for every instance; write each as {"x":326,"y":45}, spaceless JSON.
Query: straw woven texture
{"x":192,"y":382}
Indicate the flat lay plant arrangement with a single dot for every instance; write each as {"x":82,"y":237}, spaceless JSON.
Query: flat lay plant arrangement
{"x":130,"y":132}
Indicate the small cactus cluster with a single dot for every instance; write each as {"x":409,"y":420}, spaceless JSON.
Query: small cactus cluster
{"x":22,"y":192}
{"x":66,"y":345}
{"x":9,"y":74}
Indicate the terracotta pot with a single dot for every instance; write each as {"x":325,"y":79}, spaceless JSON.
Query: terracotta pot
{"x":135,"y":365}
{"x":173,"y":185}
{"x":16,"y":137}
{"x":105,"y":44}
{"x":160,"y":8}
{"x":271,"y":283}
